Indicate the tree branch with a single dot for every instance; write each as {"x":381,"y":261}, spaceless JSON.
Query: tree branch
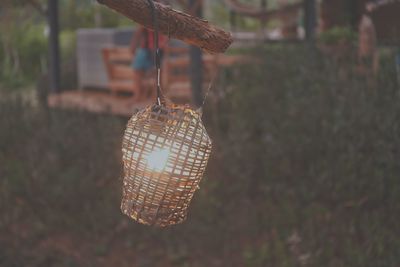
{"x":175,"y":24}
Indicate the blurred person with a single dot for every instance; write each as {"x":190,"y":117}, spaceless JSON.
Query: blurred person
{"x":142,"y":47}
{"x":367,"y":45}
{"x":143,"y":50}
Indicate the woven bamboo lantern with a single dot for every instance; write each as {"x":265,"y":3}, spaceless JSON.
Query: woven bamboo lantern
{"x":165,"y":152}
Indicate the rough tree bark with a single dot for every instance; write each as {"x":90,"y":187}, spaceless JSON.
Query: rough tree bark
{"x":175,"y":24}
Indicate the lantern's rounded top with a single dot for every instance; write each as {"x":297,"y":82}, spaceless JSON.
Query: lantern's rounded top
{"x":174,"y":108}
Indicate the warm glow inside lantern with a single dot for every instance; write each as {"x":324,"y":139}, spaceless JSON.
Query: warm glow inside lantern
{"x":165,"y":152}
{"x":157,"y":159}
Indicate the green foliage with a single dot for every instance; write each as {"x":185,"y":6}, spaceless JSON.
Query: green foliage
{"x":24,"y":52}
{"x":68,"y":59}
{"x":337,"y":35}
{"x":89,"y":14}
{"x":32,"y":46}
{"x":23,"y":42}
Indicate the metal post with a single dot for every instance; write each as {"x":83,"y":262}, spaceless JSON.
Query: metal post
{"x":54,"y":50}
{"x":232,"y":20}
{"x":398,"y":67}
{"x":263,"y":6}
{"x":196,"y":65}
{"x":310,"y":19}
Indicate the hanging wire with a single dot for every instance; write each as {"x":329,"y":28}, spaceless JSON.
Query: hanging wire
{"x":210,"y":86}
{"x":158,"y":58}
{"x":157,"y":50}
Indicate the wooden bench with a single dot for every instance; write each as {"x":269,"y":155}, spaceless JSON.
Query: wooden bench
{"x":176,"y":83}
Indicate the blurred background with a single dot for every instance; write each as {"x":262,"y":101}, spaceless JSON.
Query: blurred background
{"x":303,"y":110}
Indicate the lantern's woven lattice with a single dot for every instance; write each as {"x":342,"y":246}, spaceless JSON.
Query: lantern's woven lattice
{"x":165,"y":152}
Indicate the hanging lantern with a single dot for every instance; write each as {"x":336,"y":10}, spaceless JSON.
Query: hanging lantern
{"x":165,"y":152}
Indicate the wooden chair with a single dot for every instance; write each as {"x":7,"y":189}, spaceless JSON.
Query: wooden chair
{"x":120,"y":74}
{"x":117,"y":62}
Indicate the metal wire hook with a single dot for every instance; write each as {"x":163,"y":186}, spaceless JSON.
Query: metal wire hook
{"x":157,"y":50}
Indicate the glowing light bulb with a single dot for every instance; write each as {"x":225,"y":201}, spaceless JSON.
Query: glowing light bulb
{"x":157,"y":159}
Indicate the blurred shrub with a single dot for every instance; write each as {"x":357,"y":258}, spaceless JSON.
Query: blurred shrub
{"x":337,"y":35}
{"x":24,"y":34}
{"x":316,"y":156}
{"x":89,"y":14}
{"x":27,"y":59}
{"x":32,"y":46}
{"x":49,"y":170}
{"x":68,"y":58}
